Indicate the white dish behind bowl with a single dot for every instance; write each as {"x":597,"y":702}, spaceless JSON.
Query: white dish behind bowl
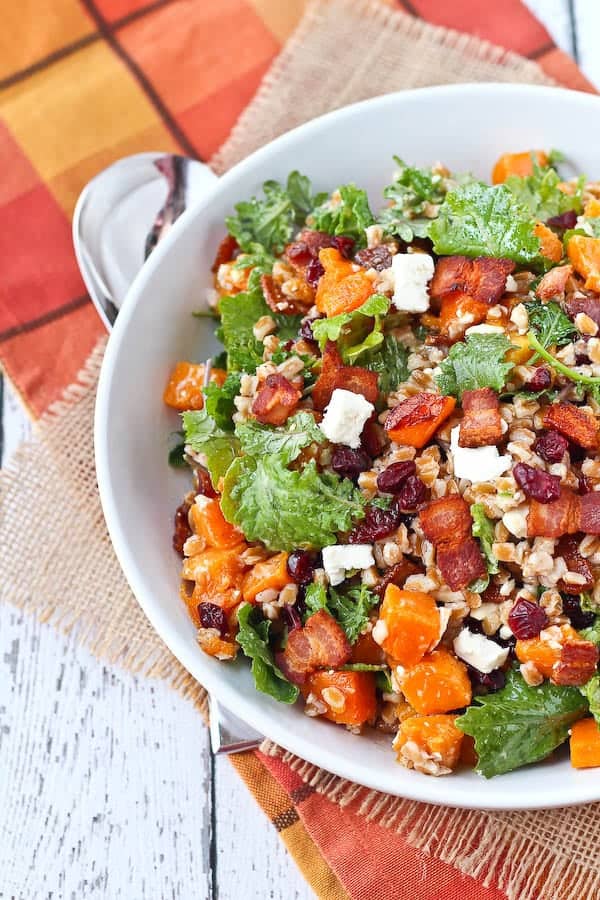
{"x":465,"y":126}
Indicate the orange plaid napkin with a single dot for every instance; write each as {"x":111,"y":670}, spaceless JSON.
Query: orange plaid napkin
{"x":84,"y":83}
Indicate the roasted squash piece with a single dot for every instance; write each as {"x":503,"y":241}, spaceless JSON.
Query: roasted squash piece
{"x":349,"y":696}
{"x":208,"y":521}
{"x":437,"y":684}
{"x":429,"y":744}
{"x":520,"y":164}
{"x":411,"y":622}
{"x":584,"y":253}
{"x":184,"y":388}
{"x":269,"y":573}
{"x":341,"y":289}
{"x":585,"y":744}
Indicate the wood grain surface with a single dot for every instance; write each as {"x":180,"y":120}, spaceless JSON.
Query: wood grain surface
{"x":107,"y":785}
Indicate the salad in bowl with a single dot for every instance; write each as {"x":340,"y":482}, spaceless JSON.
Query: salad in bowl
{"x":394,"y":498}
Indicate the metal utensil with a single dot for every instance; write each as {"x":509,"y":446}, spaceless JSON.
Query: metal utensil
{"x":115,"y":228}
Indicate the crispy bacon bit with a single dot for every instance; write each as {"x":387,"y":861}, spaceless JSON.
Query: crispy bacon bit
{"x":553,"y":283}
{"x":481,"y":424}
{"x":588,"y":305}
{"x":577,"y":663}
{"x":416,"y":419}
{"x":321,"y":643}
{"x":576,"y":424}
{"x":568,"y":548}
{"x":278,"y":301}
{"x":483,"y":278}
{"x":226,"y":251}
{"x":589,"y":513}
{"x":334,"y":374}
{"x":276,"y":400}
{"x":447,"y":524}
{"x":554,"y":519}
{"x":398,"y":574}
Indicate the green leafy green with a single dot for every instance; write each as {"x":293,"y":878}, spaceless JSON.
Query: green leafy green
{"x":176,"y":453}
{"x":288,"y":440}
{"x":591,"y":692}
{"x":253,"y":638}
{"x":331,"y":329}
{"x":390,"y":361}
{"x":412,"y":192}
{"x":551,"y":325}
{"x":270,"y":222}
{"x":476,"y":363}
{"x":587,"y":382}
{"x":351,"y":609}
{"x":592,"y":633}
{"x":520,"y":724}
{"x":350,"y":216}
{"x":239,"y":314}
{"x":539,"y":192}
{"x":288,"y":509}
{"x":479,"y":220}
{"x":204,"y":436}
{"x":364,"y":667}
{"x":588,"y":604}
{"x":219,"y":400}
{"x":483,"y":528}
{"x":315,"y":598}
{"x":357,"y":332}
{"x":383,"y":681}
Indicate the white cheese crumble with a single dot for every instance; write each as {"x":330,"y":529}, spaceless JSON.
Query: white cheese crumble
{"x":481,"y":653}
{"x":511,"y":286}
{"x":380,"y":631}
{"x":445,"y":615}
{"x":412,"y":273}
{"x":345,"y":417}
{"x":340,"y":558}
{"x":477,"y":464}
{"x":484,"y":328}
{"x":515,"y":521}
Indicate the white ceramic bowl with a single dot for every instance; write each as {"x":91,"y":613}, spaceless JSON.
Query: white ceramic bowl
{"x":466,"y":126}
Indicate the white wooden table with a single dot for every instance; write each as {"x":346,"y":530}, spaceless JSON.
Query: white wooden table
{"x":119,"y":796}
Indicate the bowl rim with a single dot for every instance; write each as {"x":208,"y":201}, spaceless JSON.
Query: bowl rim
{"x":265,"y":722}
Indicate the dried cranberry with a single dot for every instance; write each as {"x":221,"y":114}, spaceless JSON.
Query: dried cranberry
{"x":314,"y":270}
{"x":540,"y":380}
{"x":291,"y":617}
{"x":582,"y":359}
{"x":577,"y":453}
{"x":373,"y":439}
{"x":564,"y":220}
{"x":551,"y":446}
{"x":377,"y":524}
{"x":306,"y":331}
{"x":486,"y":682}
{"x":391,"y":479}
{"x":345,"y":245}
{"x":213,"y":616}
{"x":182,"y":530}
{"x":526,"y":619}
{"x":378,"y":258}
{"x":317,"y":240}
{"x":349,"y":462}
{"x":301,"y":566}
{"x":299,"y":253}
{"x":572,"y":608}
{"x":202,"y":483}
{"x":411,"y":494}
{"x":536,"y":483}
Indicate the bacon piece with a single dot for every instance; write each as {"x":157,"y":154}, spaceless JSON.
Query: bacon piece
{"x":414,"y":421}
{"x":447,"y":524}
{"x":461,"y":564}
{"x":398,"y":574}
{"x":320,"y":643}
{"x":276,"y":400}
{"x":576,"y":424}
{"x":226,"y":251}
{"x":280,"y":302}
{"x":482,"y":423}
{"x":554,"y":282}
{"x":588,"y":305}
{"x":577,"y":663}
{"x":568,"y":548}
{"x":554,"y":519}
{"x":334,"y":374}
{"x":483,"y":278}
{"x":589,"y":513}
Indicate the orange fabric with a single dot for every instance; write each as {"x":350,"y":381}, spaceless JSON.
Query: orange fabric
{"x":86,"y":82}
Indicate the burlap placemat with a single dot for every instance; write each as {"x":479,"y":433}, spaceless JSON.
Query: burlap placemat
{"x":56,"y":556}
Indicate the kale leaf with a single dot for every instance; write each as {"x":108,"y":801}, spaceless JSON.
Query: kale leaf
{"x":591,"y":692}
{"x":390,"y":361}
{"x":204,"y":436}
{"x":288,"y":509}
{"x":350,"y":608}
{"x":540,"y":192}
{"x":412,"y":192}
{"x":350,"y":216}
{"x":552,"y":326}
{"x":288,"y":440}
{"x":483,"y":528}
{"x":253,"y":638}
{"x":520,"y":724}
{"x":475,"y":363}
{"x":479,"y":220}
{"x":218,"y":400}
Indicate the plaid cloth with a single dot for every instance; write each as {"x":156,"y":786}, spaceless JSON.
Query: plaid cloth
{"x":84,"y":83}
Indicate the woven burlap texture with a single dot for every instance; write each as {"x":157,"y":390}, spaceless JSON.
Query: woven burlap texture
{"x":56,"y":556}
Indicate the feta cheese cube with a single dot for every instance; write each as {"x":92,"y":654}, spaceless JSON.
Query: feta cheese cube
{"x":477,"y":650}
{"x":412,"y":273}
{"x":477,"y":464}
{"x":340,"y":558}
{"x":345,"y":417}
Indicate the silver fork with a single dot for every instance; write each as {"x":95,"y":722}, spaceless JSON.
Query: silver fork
{"x":115,"y":227}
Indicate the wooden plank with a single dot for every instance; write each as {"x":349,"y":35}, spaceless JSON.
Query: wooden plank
{"x":104,"y":777}
{"x":16,"y":425}
{"x":252,"y":863}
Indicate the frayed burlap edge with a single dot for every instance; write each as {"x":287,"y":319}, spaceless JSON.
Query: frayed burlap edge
{"x":51,"y":479}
